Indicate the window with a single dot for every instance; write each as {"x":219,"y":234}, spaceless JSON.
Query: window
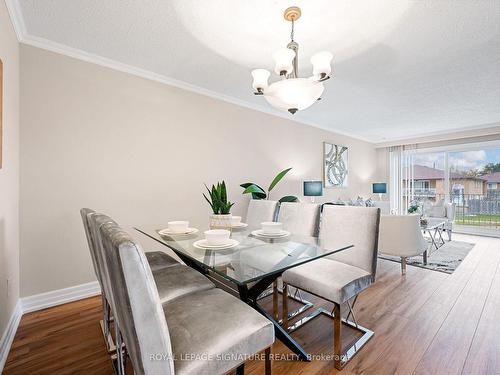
{"x":422,"y":185}
{"x":461,"y":174}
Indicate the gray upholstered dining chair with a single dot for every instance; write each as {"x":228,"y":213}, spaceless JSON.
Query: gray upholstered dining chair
{"x":97,"y":262}
{"x":178,"y":281}
{"x":205,"y":332}
{"x":260,"y":210}
{"x":300,"y":218}
{"x":340,"y":277}
{"x":157,"y":260}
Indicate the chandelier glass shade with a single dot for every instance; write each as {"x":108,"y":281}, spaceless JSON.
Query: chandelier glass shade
{"x":292,"y":93}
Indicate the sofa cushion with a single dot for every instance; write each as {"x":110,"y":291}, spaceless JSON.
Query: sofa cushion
{"x":212,"y":332}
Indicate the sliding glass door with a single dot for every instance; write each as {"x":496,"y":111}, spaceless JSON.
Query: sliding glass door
{"x":473,"y":190}
{"x":467,"y":176}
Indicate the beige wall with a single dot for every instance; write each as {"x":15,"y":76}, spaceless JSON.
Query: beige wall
{"x":9,"y":174}
{"x":141,"y":151}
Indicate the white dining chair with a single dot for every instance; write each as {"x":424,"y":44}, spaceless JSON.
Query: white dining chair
{"x":340,"y":277}
{"x":260,"y":210}
{"x":401,"y":236}
{"x":300,"y":219}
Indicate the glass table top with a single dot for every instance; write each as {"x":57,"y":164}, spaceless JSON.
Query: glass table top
{"x":252,"y":259}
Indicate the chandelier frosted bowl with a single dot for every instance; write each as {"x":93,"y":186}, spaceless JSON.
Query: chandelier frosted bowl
{"x":292,"y":93}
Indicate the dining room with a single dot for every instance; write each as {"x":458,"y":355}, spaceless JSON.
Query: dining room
{"x":175,"y":202}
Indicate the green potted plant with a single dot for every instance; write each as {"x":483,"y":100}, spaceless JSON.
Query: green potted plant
{"x":221,"y":207}
{"x":259,"y":193}
{"x":414,"y":207}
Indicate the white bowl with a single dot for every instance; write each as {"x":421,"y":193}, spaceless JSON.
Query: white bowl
{"x":271,"y":227}
{"x":235,"y":220}
{"x":217,"y":236}
{"x":178,"y":226}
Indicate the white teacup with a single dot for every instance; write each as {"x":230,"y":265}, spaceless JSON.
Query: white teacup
{"x":178,"y":226}
{"x":235,"y":220}
{"x":271,"y":227}
{"x":216,"y":237}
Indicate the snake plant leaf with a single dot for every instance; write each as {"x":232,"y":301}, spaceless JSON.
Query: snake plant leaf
{"x":226,"y":208}
{"x":278,"y":178}
{"x":217,"y":198}
{"x":223,"y":192}
{"x":289,"y":198}
{"x":210,"y":194}
{"x":210,"y":203}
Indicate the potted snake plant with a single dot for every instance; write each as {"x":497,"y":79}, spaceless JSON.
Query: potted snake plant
{"x":221,"y":207}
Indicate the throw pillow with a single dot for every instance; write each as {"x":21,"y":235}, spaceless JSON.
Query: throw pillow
{"x":340,"y":202}
{"x":360,"y":202}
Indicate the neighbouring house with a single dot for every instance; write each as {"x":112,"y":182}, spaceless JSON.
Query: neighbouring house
{"x":429,"y":183}
{"x":493,"y":181}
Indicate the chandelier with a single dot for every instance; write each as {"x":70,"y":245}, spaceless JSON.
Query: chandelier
{"x":293,"y":93}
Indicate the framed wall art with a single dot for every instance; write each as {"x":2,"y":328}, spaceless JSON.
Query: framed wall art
{"x":335,"y":164}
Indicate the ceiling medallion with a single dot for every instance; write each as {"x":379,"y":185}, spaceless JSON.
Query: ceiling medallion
{"x":292,"y":93}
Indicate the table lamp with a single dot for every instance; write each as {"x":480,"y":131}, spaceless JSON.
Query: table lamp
{"x":379,"y":188}
{"x":313,"y":189}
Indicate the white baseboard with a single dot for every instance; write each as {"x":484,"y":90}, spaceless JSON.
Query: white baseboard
{"x":9,"y":333}
{"x":60,"y":296}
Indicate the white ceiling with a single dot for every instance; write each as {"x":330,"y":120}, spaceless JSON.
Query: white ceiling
{"x":402,"y":68}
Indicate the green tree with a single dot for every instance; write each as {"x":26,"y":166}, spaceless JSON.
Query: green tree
{"x":490,"y":168}
{"x":473,"y":173}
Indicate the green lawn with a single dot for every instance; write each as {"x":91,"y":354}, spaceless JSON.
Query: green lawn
{"x":479,"y":220}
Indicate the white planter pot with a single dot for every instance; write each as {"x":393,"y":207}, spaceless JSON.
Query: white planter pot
{"x":220,"y":221}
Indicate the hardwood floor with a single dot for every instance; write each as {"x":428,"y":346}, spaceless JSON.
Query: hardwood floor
{"x":425,"y":323}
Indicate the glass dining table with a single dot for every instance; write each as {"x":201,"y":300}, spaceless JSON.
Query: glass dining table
{"x":251,"y":267}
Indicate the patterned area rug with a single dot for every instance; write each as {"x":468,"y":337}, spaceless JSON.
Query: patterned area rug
{"x":445,"y":259}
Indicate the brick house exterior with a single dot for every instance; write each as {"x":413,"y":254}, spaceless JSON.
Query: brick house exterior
{"x":429,"y":182}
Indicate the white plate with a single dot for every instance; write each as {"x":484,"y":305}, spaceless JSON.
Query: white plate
{"x":260,"y":233}
{"x":168,"y":232}
{"x":202,"y":244}
{"x":240,"y":225}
